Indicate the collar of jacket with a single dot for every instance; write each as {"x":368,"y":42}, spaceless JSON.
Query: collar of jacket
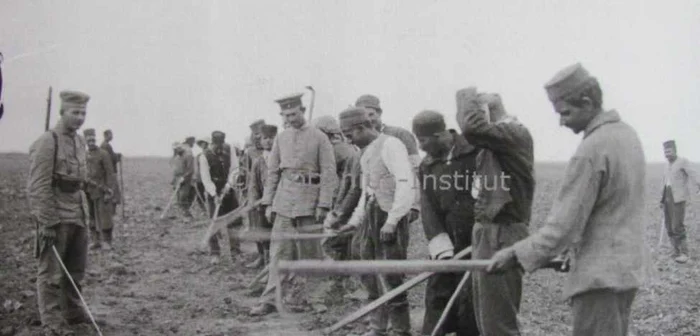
{"x":600,"y":120}
{"x":461,"y":147}
{"x":62,"y":129}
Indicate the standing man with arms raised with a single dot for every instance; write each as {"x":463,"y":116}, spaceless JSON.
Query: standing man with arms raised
{"x":677,"y":178}
{"x":447,"y":213}
{"x":598,"y":215}
{"x":504,"y":187}
{"x":299,"y":188}
{"x":381,"y":215}
{"x":58,"y":206}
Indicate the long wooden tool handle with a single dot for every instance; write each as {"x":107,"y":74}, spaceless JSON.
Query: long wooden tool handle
{"x":381,"y":266}
{"x":170,"y":202}
{"x":388,"y":296}
{"x":453,"y":298}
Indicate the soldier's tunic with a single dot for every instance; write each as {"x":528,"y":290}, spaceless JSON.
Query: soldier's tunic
{"x":678,"y":176}
{"x":99,"y":166}
{"x":502,"y":212}
{"x":115,"y":184}
{"x":301,"y":178}
{"x":447,"y":213}
{"x":258,"y":176}
{"x":387,"y":185}
{"x":66,"y":211}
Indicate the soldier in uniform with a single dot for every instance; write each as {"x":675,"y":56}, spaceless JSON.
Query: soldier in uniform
{"x":218,"y":170}
{"x":116,"y":159}
{"x":382,"y":215}
{"x":258,"y":176}
{"x":99,"y":166}
{"x":447,"y":213}
{"x":678,"y":177}
{"x":299,"y":188}
{"x":250,"y":156}
{"x":59,"y":208}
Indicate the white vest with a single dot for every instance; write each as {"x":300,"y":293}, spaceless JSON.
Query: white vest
{"x":378,"y":181}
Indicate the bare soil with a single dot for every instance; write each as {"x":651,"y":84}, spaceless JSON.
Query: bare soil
{"x":157,"y":281}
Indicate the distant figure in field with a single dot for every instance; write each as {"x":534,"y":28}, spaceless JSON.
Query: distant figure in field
{"x":677,"y":177}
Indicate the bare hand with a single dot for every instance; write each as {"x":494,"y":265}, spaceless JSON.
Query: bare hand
{"x":321,"y":214}
{"x":330,"y":220}
{"x":47,"y":235}
{"x":502,"y":261}
{"x":388,"y":233}
{"x":346,"y":228}
{"x":268,"y":213}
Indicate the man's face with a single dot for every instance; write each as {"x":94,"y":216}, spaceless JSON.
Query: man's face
{"x":575,"y":118}
{"x":91,"y":141}
{"x":73,"y":118}
{"x":256,"y":136}
{"x":294,"y":118}
{"x":435,"y":145}
{"x":375,"y":117}
{"x":203,"y":145}
{"x":670,"y":153}
{"x":108,"y":136}
{"x":266,"y":142}
{"x":357,"y":135}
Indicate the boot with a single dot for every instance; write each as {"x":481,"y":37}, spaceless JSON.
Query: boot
{"x":263,"y":309}
{"x":257,"y":263}
{"x":400,"y":318}
{"x":378,"y":322}
{"x":94,"y":240}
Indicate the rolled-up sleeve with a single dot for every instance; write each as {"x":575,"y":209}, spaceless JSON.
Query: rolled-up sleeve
{"x":395,"y":157}
{"x":568,"y":217}
{"x":273,"y":174}
{"x":42,"y":202}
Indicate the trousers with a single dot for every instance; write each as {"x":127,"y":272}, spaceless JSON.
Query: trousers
{"x":674,"y":217}
{"x":602,"y":312}
{"x":56,"y":297}
{"x":497,"y":296}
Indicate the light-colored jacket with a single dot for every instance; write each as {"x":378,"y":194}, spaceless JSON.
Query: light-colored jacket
{"x":47,"y":203}
{"x":298,"y":154}
{"x":680,"y":173}
{"x":598,"y":214}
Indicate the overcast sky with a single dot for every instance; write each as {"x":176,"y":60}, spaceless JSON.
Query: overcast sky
{"x":158,"y":71}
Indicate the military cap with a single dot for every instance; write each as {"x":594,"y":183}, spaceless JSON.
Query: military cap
{"x":218,"y":135}
{"x":352,"y":116}
{"x":670,"y":144}
{"x":326,"y":124}
{"x":107,"y":131}
{"x":427,"y":123}
{"x":73,"y":99}
{"x":176,"y":145}
{"x":89,"y":132}
{"x":568,"y":81}
{"x":368,"y":101}
{"x":268,"y":131}
{"x":255,"y":126}
{"x":290,"y":102}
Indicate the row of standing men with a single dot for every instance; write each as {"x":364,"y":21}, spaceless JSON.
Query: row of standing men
{"x":596,"y":217}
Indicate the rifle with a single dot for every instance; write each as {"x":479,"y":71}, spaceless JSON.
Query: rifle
{"x":48,"y":110}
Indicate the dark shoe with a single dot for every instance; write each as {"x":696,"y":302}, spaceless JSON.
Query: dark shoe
{"x":682,"y":259}
{"x":257,"y":263}
{"x":79,"y":320}
{"x":263,"y":309}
